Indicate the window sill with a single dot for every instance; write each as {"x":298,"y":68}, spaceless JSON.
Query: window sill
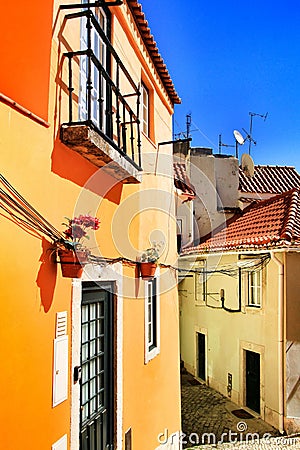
{"x":152,"y":354}
{"x":250,"y":309}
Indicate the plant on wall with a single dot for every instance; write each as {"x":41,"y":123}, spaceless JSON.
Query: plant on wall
{"x":73,"y":253}
{"x":148,"y":260}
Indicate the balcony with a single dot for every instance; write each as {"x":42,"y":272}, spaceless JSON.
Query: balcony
{"x":103,"y":104}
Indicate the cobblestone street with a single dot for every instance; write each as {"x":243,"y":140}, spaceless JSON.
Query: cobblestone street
{"x":209,"y":421}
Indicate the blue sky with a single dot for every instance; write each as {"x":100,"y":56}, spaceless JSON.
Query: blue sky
{"x":229,"y":58}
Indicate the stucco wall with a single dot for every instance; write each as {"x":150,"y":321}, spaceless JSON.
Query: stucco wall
{"x":229,"y":334}
{"x":216,"y":182}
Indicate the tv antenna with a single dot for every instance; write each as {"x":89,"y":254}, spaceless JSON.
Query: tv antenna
{"x":223,"y":145}
{"x":188,"y":125}
{"x":185,"y":134}
{"x":249,"y":135}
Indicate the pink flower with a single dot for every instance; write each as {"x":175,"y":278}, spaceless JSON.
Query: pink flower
{"x":77,"y":227}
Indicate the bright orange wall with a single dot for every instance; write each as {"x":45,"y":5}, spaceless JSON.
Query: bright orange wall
{"x":26,"y":33}
{"x":151,"y":391}
{"x":53,"y":179}
{"x":32,"y":290}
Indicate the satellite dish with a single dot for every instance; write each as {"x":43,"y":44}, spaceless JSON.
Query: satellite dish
{"x":247,"y":165}
{"x":238,"y":137}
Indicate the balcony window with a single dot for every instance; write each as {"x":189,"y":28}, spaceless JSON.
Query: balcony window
{"x":99,"y":91}
{"x":104,"y":102}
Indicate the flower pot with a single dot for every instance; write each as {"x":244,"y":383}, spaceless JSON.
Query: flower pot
{"x":72,"y":262}
{"x":147,"y":270}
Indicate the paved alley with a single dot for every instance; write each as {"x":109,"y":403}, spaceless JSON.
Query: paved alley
{"x":209,"y":420}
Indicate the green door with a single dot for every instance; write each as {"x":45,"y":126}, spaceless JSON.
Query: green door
{"x":97,"y":393}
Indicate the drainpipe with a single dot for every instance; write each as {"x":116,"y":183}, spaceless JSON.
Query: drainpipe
{"x":281,"y":349}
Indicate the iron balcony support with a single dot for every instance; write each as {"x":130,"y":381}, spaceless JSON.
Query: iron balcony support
{"x":122,"y":126}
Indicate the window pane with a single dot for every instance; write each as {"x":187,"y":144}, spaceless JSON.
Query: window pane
{"x":254,"y":281}
{"x":145,"y":110}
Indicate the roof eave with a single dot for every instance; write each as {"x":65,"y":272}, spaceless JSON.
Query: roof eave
{"x":148,"y":39}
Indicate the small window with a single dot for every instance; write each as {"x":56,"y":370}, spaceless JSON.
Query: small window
{"x":254,"y":288}
{"x":152,"y":320}
{"x":145,"y":109}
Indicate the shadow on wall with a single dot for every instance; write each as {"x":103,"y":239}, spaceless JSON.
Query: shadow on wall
{"x":69,"y":165}
{"x":46,"y":279}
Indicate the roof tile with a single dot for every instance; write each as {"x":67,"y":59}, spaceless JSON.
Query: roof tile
{"x":269,"y":179}
{"x":270,"y":223}
{"x":182,"y":181}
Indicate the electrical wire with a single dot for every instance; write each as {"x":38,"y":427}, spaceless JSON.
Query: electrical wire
{"x":44,"y":223}
{"x":21,"y":212}
{"x":29,"y":219}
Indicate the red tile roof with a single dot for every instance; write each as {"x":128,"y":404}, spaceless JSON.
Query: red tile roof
{"x":270,"y":179}
{"x":148,"y":39}
{"x":267,"y":224}
{"x":182,"y":181}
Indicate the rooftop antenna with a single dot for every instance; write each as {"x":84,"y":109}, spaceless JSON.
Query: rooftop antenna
{"x":188,"y":124}
{"x":249,"y":135}
{"x":223,"y":145}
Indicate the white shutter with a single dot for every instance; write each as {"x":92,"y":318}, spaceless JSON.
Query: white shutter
{"x":61,"y":444}
{"x":60,"y":370}
{"x":61,"y":324}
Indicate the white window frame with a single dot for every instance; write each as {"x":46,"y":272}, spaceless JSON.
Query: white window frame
{"x":99,"y":48}
{"x":152,"y":346}
{"x":254,"y":288}
{"x":145,"y":109}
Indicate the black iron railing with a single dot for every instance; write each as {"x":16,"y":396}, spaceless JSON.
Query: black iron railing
{"x":111,"y":112}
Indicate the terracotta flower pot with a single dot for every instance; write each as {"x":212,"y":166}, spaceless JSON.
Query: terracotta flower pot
{"x":147,"y":270}
{"x":72,"y":263}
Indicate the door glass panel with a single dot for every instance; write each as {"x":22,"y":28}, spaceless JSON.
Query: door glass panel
{"x":92,"y":330}
{"x":93,"y":311}
{"x":85,"y":332}
{"x":85,"y":351}
{"x":92,"y":348}
{"x":97,"y":370}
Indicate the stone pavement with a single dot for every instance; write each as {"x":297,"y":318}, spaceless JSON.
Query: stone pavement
{"x":208,"y":419}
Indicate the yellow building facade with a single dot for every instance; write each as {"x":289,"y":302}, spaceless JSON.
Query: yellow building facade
{"x":239,"y":310}
{"x":86,"y":108}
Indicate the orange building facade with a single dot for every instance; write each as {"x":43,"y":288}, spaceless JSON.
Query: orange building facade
{"x":86,"y":104}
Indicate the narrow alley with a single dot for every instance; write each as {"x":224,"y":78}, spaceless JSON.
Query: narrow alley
{"x":210,"y":420}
